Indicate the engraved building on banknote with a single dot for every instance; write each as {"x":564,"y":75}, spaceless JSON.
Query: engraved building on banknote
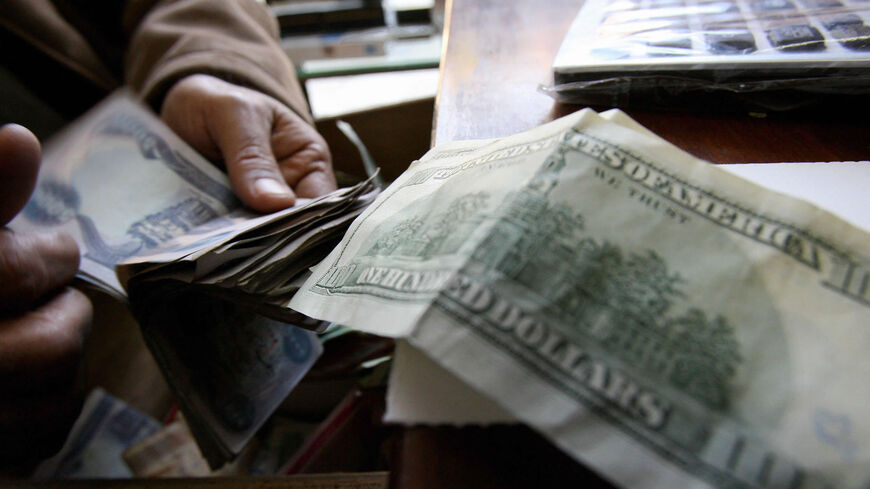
{"x":423,"y":237}
{"x":168,"y":223}
{"x":622,"y":302}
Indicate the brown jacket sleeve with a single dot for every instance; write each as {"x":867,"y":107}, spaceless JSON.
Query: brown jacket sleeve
{"x":236,"y":40}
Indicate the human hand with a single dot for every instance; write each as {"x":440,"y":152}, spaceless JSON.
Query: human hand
{"x":271,"y":154}
{"x":42,"y":322}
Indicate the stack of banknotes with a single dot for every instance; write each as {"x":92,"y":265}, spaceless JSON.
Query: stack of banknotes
{"x":207,"y":279}
{"x":663,"y":321}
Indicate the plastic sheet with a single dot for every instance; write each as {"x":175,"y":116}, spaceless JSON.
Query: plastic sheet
{"x":737,"y":54}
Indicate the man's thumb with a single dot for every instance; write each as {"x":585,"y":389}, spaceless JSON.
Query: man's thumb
{"x":19,"y":165}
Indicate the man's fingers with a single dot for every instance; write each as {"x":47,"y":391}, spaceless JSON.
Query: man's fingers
{"x":19,"y":165}
{"x":303,"y":156}
{"x":308,"y":171}
{"x":267,"y":149}
{"x":317,"y":182}
{"x":32,"y":265}
{"x":245,"y":143}
{"x":40,"y":349}
{"x":258,"y":182}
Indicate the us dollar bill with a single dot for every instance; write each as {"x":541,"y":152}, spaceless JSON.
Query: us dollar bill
{"x":661,"y":320}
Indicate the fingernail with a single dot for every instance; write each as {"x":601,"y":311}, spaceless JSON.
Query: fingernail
{"x":268,"y":186}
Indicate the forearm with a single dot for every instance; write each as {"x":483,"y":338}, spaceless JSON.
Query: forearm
{"x":233,"y":40}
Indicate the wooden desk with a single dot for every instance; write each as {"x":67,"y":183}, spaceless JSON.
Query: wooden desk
{"x":498,"y":52}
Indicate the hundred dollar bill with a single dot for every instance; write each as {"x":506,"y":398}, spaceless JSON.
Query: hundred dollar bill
{"x":661,"y":320}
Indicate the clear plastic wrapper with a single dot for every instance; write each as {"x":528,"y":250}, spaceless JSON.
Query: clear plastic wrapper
{"x":755,"y":55}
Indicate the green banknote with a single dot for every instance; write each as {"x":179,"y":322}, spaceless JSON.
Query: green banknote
{"x":663,"y":321}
